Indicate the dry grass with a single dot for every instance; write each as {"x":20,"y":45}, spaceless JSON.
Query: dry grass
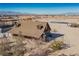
{"x":57,"y":45}
{"x":16,"y":48}
{"x":74,"y":25}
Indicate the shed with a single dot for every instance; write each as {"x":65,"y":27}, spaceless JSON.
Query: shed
{"x":31,"y":29}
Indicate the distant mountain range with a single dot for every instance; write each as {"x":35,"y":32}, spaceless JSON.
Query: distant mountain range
{"x":70,"y":13}
{"x":10,"y":13}
{"x":14,"y":13}
{"x":18,"y":13}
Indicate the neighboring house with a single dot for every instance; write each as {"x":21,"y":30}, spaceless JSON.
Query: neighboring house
{"x":31,"y":29}
{"x":6,"y":24}
{"x":7,"y":21}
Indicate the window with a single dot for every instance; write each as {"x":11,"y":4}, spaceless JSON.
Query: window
{"x":17,"y":24}
{"x":39,"y":27}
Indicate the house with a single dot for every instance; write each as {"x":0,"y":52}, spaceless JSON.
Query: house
{"x":30,"y":29}
{"x":6,"y":24}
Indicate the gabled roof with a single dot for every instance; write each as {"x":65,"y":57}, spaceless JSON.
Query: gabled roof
{"x":30,"y":28}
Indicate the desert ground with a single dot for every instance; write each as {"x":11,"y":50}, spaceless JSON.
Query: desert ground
{"x":59,"y":25}
{"x":71,"y":35}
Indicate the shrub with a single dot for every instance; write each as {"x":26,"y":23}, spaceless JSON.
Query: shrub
{"x":57,"y":45}
{"x":5,"y":48}
{"x":54,"y":30}
{"x":74,"y":25}
{"x":16,"y":48}
{"x":19,"y":48}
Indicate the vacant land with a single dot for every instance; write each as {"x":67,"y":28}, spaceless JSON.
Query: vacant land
{"x":71,"y":35}
{"x":60,"y":25}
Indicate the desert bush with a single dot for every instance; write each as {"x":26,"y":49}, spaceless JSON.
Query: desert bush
{"x":29,"y":18}
{"x":54,"y":30}
{"x":74,"y":25}
{"x":5,"y":48}
{"x":19,"y":47}
{"x":15,"y":48}
{"x":18,"y":51}
{"x":57,"y":45}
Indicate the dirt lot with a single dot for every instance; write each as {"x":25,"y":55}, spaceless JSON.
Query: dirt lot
{"x":71,"y":37}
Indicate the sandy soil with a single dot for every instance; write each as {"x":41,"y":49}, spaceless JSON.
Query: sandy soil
{"x":71,"y":36}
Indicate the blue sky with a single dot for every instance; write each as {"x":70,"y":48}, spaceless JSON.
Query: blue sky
{"x":41,"y":8}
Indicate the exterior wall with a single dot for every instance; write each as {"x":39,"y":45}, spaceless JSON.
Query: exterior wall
{"x":47,"y":28}
{"x":17,"y":35}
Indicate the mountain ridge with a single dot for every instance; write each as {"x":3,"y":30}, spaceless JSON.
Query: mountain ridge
{"x":19,"y":13}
